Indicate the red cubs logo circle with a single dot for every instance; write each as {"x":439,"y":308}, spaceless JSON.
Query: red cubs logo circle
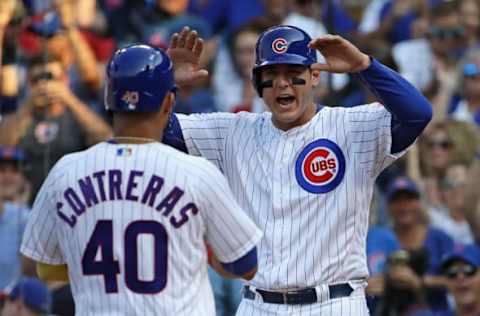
{"x":320,"y":166}
{"x":280,"y":45}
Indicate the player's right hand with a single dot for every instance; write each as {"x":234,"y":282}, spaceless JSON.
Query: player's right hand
{"x":185,"y":50}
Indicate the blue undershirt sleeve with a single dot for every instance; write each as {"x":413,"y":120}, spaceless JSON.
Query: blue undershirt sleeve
{"x":410,"y":110}
{"x":243,"y":265}
{"x":173,"y":136}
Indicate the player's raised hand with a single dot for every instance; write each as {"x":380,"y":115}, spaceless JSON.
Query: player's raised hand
{"x":340,"y":55}
{"x":185,"y":50}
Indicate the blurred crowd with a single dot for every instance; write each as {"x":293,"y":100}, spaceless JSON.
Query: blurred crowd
{"x":423,"y":246}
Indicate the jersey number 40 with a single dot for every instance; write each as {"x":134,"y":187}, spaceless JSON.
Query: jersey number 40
{"x":102,"y":238}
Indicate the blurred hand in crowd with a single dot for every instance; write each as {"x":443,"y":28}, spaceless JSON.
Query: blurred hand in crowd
{"x":7,"y":8}
{"x":48,"y":85}
{"x":404,"y":277}
{"x":66,"y":11}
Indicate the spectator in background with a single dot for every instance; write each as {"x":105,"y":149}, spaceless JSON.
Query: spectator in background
{"x":461,"y":268}
{"x":466,"y":105}
{"x":453,"y":221}
{"x":13,"y":212}
{"x":436,"y":148}
{"x":29,"y":297}
{"x":381,"y":243}
{"x":225,"y":16}
{"x":52,"y":122}
{"x":422,"y":242}
{"x":57,"y":30}
{"x":9,"y":87}
{"x":445,"y":143}
{"x":430,"y":61}
{"x":470,"y":19}
{"x":232,"y":84}
{"x":155,"y":21}
{"x":398,"y":18}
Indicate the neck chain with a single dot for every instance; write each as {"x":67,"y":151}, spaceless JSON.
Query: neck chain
{"x":133,"y":140}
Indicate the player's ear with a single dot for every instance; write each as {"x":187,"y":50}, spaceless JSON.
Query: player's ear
{"x":168,"y":103}
{"x":315,"y":75}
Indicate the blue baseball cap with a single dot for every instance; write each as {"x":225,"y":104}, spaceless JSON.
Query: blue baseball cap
{"x":9,"y":153}
{"x":34,"y":293}
{"x":471,"y":70}
{"x":402,"y":184}
{"x":467,"y":253}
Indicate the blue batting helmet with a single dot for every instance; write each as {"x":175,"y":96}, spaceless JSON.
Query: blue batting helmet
{"x":138,"y":79}
{"x":282,"y":44}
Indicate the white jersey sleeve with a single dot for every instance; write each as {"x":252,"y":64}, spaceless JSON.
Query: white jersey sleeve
{"x":205,"y":135}
{"x":369,"y":129}
{"x":229,"y":231}
{"x":40,"y":239}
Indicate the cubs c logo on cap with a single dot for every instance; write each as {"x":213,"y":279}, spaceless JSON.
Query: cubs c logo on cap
{"x":320,"y":166}
{"x":280,"y":45}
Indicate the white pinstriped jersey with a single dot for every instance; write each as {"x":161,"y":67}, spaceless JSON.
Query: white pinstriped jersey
{"x":308,"y":188}
{"x":130,"y":221}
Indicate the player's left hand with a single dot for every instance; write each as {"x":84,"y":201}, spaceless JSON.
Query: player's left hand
{"x":340,"y":55}
{"x":185,"y":51}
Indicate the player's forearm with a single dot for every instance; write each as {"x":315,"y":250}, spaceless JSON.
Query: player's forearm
{"x":96,"y":128}
{"x":84,"y":57}
{"x":397,"y":94}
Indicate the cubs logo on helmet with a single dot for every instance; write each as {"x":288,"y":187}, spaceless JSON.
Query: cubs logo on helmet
{"x":320,"y":166}
{"x":280,"y":45}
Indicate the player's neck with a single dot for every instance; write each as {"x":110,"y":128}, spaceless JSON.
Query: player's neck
{"x":133,"y":140}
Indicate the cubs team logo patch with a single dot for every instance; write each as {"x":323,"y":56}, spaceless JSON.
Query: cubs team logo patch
{"x":279,"y":45}
{"x":320,"y":166}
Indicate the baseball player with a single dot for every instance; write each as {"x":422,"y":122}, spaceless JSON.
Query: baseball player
{"x":305,"y":174}
{"x":130,"y":216}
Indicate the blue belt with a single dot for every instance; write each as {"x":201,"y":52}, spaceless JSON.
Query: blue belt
{"x":300,"y":297}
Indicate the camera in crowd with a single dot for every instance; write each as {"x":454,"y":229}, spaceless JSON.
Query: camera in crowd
{"x":399,"y":296}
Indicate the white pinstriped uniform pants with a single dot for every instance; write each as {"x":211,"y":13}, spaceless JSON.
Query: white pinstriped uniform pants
{"x":353,"y":305}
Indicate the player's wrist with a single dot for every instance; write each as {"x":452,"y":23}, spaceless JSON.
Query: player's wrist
{"x":364,"y":63}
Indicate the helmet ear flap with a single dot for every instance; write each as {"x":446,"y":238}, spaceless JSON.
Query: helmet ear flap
{"x":256,"y":81}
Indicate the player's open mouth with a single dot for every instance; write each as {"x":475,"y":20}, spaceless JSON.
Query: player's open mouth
{"x":285,"y":100}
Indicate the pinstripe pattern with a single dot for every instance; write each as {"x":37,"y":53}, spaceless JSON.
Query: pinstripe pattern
{"x":220,"y":221}
{"x":309,"y":239}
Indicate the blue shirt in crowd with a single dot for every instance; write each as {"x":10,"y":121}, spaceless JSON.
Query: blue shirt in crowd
{"x":12,"y":224}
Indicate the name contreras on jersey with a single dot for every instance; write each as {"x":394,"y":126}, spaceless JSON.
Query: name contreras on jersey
{"x":88,"y":194}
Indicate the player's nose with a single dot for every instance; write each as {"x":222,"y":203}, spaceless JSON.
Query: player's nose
{"x":282,"y":82}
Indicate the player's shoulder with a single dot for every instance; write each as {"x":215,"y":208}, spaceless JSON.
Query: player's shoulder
{"x":64,"y":163}
{"x":193,"y":165}
{"x":354,"y":115}
{"x":221,"y":118}
{"x":360,"y":109}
